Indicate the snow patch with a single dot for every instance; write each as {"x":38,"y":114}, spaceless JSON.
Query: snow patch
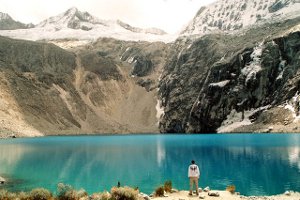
{"x":160,"y":111}
{"x":250,"y":70}
{"x":130,"y":60}
{"x":220,"y":84}
{"x":293,"y":105}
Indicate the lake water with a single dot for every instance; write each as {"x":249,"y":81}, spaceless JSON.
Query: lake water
{"x":263,"y":164}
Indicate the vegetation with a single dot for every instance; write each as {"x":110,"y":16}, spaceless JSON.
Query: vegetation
{"x":39,"y":194}
{"x":231,"y":189}
{"x":66,"y":192}
{"x":124,"y":193}
{"x":160,"y":191}
{"x":168,"y":186}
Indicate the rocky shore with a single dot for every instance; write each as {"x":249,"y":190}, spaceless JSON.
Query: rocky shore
{"x":2,"y":180}
{"x":225,"y":195}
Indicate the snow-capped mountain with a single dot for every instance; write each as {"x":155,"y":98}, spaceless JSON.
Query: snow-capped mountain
{"x":74,"y":24}
{"x":8,"y":23}
{"x":74,"y":19}
{"x":229,"y":15}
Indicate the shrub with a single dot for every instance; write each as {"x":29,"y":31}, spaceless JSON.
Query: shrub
{"x":168,"y":186}
{"x":231,"y":189}
{"x":160,"y":191}
{"x":5,"y":195}
{"x":24,"y":196}
{"x":40,"y":194}
{"x":124,"y":193}
{"x":66,"y":192}
{"x":101,"y":196}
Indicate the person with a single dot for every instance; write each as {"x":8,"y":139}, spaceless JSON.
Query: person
{"x":193,"y":174}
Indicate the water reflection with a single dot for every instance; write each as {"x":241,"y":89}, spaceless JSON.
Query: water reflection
{"x":294,"y":156}
{"x":98,"y":163}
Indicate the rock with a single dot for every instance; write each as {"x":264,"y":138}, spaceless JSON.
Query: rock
{"x":287,"y":193}
{"x":200,"y":190}
{"x":207,"y":189}
{"x":173,"y":190}
{"x":151,"y":195}
{"x":237,"y":193}
{"x":201,"y":197}
{"x":2,"y":180}
{"x":213,"y":194}
{"x":145,"y":196}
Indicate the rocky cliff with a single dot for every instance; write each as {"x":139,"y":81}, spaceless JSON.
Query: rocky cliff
{"x":105,"y":87}
{"x":233,"y":80}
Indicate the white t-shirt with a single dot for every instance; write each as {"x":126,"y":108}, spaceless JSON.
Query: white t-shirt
{"x":194,"y":171}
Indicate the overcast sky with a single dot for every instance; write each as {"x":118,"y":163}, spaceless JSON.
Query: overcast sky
{"x":169,"y":15}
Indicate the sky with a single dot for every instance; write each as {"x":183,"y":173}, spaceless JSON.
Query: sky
{"x":169,"y":15}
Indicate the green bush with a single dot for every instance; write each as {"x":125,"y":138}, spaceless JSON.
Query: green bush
{"x":124,"y":193}
{"x":40,"y":194}
{"x":160,"y":191}
{"x":168,"y":186}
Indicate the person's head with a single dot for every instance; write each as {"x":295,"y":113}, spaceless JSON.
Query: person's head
{"x":193,"y":162}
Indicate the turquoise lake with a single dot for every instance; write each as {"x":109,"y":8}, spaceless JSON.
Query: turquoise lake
{"x":262,"y":164}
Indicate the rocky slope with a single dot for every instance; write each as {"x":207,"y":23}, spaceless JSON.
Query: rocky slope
{"x":231,"y":15}
{"x":233,"y":80}
{"x":106,"y":87}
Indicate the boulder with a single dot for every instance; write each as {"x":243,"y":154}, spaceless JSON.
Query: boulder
{"x":2,"y":180}
{"x":207,"y":189}
{"x":287,"y":193}
{"x":201,"y":197}
{"x":144,"y":196}
{"x":174,"y":190}
{"x":214,"y":194}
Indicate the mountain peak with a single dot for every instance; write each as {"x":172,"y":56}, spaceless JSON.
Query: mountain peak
{"x":72,"y":18}
{"x":4,"y":16}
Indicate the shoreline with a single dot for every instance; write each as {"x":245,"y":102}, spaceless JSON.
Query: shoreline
{"x":226,"y":195}
{"x":13,"y":136}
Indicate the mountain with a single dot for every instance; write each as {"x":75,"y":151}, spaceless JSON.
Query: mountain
{"x":234,"y":82}
{"x":106,"y":87}
{"x":8,"y":23}
{"x":74,"y":19}
{"x":230,"y":15}
{"x":77,"y":25}
{"x":220,"y":80}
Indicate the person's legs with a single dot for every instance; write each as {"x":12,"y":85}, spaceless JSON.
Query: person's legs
{"x":191,"y":186}
{"x":197,"y":187}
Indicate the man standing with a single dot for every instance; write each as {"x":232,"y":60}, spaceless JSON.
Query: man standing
{"x":193,"y":175}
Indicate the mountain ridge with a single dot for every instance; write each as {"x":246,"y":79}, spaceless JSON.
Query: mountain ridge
{"x":8,"y":23}
{"x":232,"y":15}
{"x":74,"y":24}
